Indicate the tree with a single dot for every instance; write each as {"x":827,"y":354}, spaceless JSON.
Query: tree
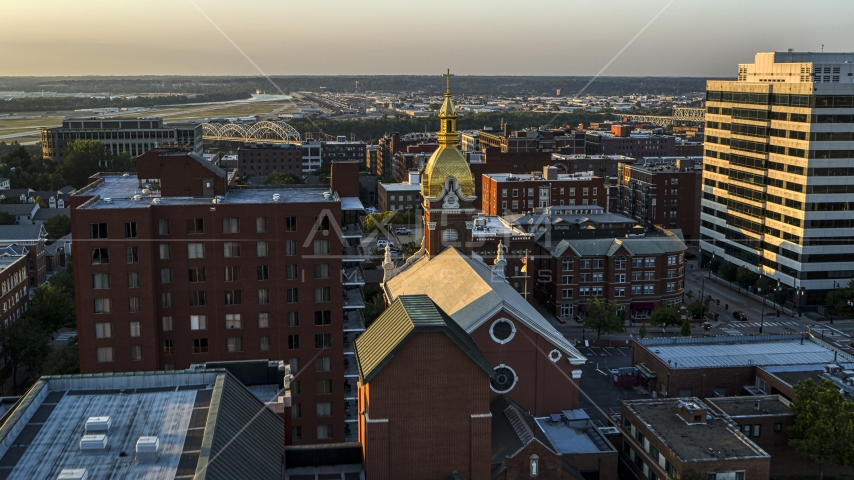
{"x":781,"y":296}
{"x":689,"y":294}
{"x":686,"y":328}
{"x":642,"y":330}
{"x":664,"y":317}
{"x":744,"y":277}
{"x":696,"y":308}
{"x":729,"y":272}
{"x":279,"y":178}
{"x":373,"y":309}
{"x":62,"y":361}
{"x":7,"y":219}
{"x":838,"y":298}
{"x":715,"y":265}
{"x":64,"y":279}
{"x":57,"y":226}
{"x":602,"y":317}
{"x":823,"y":430}
{"x":24,"y":342}
{"x":84,"y":158}
{"x":52,"y":307}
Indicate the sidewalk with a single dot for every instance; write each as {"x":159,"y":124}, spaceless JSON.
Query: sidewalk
{"x":758,"y":299}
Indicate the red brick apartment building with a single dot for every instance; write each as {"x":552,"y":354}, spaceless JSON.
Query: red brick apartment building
{"x":264,"y":159}
{"x":508,"y":193}
{"x":14,"y":289}
{"x":28,"y":240}
{"x":663,"y":192}
{"x":179,"y":268}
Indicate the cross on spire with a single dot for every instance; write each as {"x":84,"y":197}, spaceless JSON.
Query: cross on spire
{"x":448,"y":79}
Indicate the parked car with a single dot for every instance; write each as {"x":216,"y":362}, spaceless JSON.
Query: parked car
{"x":739,"y":315}
{"x":371,"y":210}
{"x":402,"y":231}
{"x":382,"y":243}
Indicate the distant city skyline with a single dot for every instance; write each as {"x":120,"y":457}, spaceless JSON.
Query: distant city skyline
{"x":159,"y":37}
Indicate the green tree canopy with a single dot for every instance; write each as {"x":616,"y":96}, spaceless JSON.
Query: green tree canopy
{"x":838,"y":298}
{"x":686,"y":328}
{"x":24,"y":342}
{"x":824,"y":424}
{"x":62,"y":361}
{"x":279,"y":178}
{"x":729,"y":272}
{"x":64,"y":279}
{"x":8,"y":219}
{"x":57,"y":226}
{"x":84,"y":158}
{"x":744,"y":277}
{"x":664,"y":317}
{"x":601,"y":315}
{"x":52,"y":307}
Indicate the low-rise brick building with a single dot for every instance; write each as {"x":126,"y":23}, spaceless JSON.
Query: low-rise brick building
{"x":668,"y":438}
{"x":508,"y":193}
{"x":400,"y":196}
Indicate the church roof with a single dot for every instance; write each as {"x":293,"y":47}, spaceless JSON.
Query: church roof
{"x":471,"y":293}
{"x":407,"y":316}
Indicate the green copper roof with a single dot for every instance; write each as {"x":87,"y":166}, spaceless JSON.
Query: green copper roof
{"x":408,"y":315}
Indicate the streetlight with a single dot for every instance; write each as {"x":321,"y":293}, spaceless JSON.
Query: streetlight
{"x":702,"y":298}
{"x":762,"y":320}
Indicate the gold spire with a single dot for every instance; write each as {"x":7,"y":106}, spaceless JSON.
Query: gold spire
{"x":447,"y":161}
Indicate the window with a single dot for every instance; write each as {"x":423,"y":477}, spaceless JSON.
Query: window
{"x":586,"y":190}
{"x":135,"y":329}
{"x":323,"y":317}
{"x":637,"y":276}
{"x":323,"y":364}
{"x":134,"y":304}
{"x":324,"y":432}
{"x":195,"y":226}
{"x":292,"y":295}
{"x":567,"y":264}
{"x":620,"y":292}
{"x":232,"y":320}
{"x":233,"y":297}
{"x":263,"y":320}
{"x":290,"y":224}
{"x":293,"y":319}
{"x":778,"y":427}
{"x":324,"y":409}
{"x":103,"y":305}
{"x":636,"y":290}
{"x":756,"y":430}
{"x":163,"y":226}
{"x":261,"y":249}
{"x":198,"y":299}
{"x":168,"y":347}
{"x":167,"y":324}
{"x":200,"y":345}
{"x":165,"y":276}
{"x":98,"y":230}
{"x":104,"y":330}
{"x":234,"y":344}
{"x":198,"y":322}
{"x":322,"y":294}
{"x":232,"y":274}
{"x":290,"y":248}
{"x":566,"y":293}
{"x":133,"y":255}
{"x":620,"y":278}
{"x":293,"y":342}
{"x":620,"y":263}
{"x":296,"y":433}
{"x":133,"y":279}
{"x":649,"y":275}
{"x":291,"y":272}
{"x":567,"y":279}
{"x":323,"y":387}
{"x":105,"y":354}
{"x":598,"y":277}
{"x":231,"y":249}
{"x":100,"y":256}
{"x":100,"y":280}
{"x":323,"y":340}
{"x":649,"y":262}
{"x":263,"y":272}
{"x":585,"y":264}
{"x":264,"y":343}
{"x":637,"y":263}
{"x":263,"y":296}
{"x":230,"y":225}
{"x":165,"y":251}
{"x":671,"y":260}
{"x":195,"y":250}
{"x":197,"y":274}
{"x":321,"y":247}
{"x":584,"y":292}
{"x":260,"y":224}
{"x":321,"y":270}
{"x":130,"y":230}
{"x":584,"y":277}
{"x":649,"y":289}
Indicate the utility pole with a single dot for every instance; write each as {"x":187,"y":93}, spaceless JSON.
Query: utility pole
{"x":525,"y":271}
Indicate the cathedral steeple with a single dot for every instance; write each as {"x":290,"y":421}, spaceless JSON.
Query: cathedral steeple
{"x":448,"y":136}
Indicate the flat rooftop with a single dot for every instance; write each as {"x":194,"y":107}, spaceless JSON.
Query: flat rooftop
{"x":746,"y":406}
{"x":40,"y":435}
{"x":794,"y":377}
{"x":737,"y":351}
{"x":487,"y":227}
{"x":563,"y":177}
{"x":568,"y":439}
{"x":122,"y":190}
{"x":713,"y":439}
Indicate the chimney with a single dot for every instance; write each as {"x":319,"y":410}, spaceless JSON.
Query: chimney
{"x":507,"y":129}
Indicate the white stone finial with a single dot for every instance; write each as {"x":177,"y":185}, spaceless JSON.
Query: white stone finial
{"x":388,"y":264}
{"x":500,"y":262}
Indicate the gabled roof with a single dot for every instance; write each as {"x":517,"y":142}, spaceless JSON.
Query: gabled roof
{"x":210,"y":166}
{"x":18,"y":209}
{"x":609,"y":246}
{"x":513,"y":429}
{"x":407,"y":316}
{"x":46,"y":213}
{"x":21,"y":233}
{"x":471,"y":293}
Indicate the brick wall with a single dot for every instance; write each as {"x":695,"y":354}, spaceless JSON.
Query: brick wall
{"x":428,"y":393}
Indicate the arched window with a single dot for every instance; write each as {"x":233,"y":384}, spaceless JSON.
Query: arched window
{"x":450,"y":235}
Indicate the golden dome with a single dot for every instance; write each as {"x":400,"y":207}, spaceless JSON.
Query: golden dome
{"x":447,"y":161}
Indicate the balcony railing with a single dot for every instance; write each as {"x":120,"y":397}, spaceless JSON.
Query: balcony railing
{"x":354,"y":321}
{"x":354,"y":254}
{"x":353,"y":298}
{"x":352,"y":230}
{"x":352,"y":276}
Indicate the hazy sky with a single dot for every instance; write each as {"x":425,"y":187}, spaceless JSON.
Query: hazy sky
{"x":548,"y":37}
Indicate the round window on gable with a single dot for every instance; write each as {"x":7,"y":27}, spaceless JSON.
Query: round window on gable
{"x":503,"y":380}
{"x":502,"y":330}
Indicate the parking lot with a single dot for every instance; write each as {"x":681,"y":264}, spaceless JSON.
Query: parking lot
{"x":598,"y":393}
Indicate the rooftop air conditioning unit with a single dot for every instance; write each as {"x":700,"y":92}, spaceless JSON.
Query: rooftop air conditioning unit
{"x":97,"y":424}
{"x":276,"y":197}
{"x":93,"y":443}
{"x":73,"y":474}
{"x":108,"y":200}
{"x":147,"y":449}
{"x":137,"y":197}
